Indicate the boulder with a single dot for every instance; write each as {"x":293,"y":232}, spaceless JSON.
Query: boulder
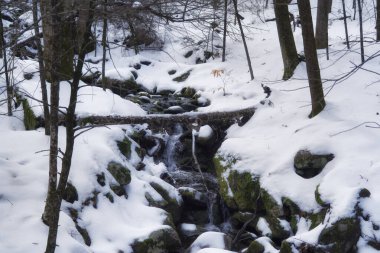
{"x":160,"y":241}
{"x":308,"y":165}
{"x":342,"y":236}
{"x":173,"y":206}
{"x":125,"y":147}
{"x":121,"y":174}
{"x":70,"y":194}
{"x":216,"y":240}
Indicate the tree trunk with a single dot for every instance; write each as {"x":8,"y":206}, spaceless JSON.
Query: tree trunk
{"x":321,"y":31}
{"x":312,"y":65}
{"x":243,"y":38}
{"x":85,"y":12}
{"x":104,"y":44}
{"x":42,"y":70}
{"x":378,"y":20}
{"x":285,"y":36}
{"x":361,"y":30}
{"x":345,"y":23}
{"x":225,"y":30}
{"x":5,"y":64}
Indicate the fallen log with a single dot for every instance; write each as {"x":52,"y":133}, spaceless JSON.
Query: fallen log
{"x":163,"y":120}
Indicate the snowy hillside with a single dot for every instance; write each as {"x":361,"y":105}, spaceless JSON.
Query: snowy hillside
{"x":255,"y":174}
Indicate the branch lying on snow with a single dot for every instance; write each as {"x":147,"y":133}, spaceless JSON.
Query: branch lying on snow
{"x":242,"y":116}
{"x":377,"y":125}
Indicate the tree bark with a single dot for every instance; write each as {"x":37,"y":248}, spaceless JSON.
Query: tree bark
{"x":243,"y":38}
{"x":361,"y":30}
{"x":378,"y":20}
{"x":321,"y":31}
{"x":285,"y":36}
{"x":345,"y":23}
{"x":42,"y":69}
{"x":104,"y":44}
{"x":5,"y":64}
{"x":85,"y":12}
{"x":225,"y":30}
{"x":312,"y":65}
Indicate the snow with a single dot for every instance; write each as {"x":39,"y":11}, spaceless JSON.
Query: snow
{"x":265,"y":146}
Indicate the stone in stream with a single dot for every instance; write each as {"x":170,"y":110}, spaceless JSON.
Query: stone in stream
{"x":308,"y":165}
{"x":176,"y":109}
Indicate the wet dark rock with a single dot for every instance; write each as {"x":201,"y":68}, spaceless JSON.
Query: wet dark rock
{"x":172,"y":72}
{"x":183,"y":77}
{"x":161,"y":241}
{"x":193,"y":197}
{"x":342,"y":236}
{"x":188,"y":54}
{"x":119,"y":190}
{"x":140,"y":166}
{"x":308,"y":165}
{"x":146,"y":63}
{"x":173,"y":206}
{"x":135,"y":75}
{"x":101,"y":178}
{"x":364,"y":193}
{"x":28,"y":76}
{"x":70,"y":194}
{"x":238,"y":220}
{"x":189,"y":107}
{"x":137,"y":66}
{"x":188,"y":92}
{"x":144,"y":99}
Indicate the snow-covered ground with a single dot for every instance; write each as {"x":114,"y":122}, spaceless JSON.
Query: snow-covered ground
{"x":265,"y":146}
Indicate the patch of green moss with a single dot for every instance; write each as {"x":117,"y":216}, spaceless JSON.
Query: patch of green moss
{"x":121,"y":174}
{"x":286,"y":247}
{"x":317,"y":218}
{"x":30,"y":120}
{"x":270,"y":204}
{"x":319,"y":199}
{"x":255,"y":247}
{"x":125,"y":147}
{"x":278,"y":231}
{"x":163,"y":240}
{"x":173,"y":206}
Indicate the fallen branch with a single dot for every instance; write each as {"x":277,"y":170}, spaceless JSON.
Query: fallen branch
{"x":241,"y":116}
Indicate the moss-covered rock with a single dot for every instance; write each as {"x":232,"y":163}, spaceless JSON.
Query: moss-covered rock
{"x":255,"y":247}
{"x":319,"y":199}
{"x":70,"y":193}
{"x":121,"y":174}
{"x":125,"y":147}
{"x":308,"y":165}
{"x":245,"y":189}
{"x":270,"y":204}
{"x":317,"y":218}
{"x":342,"y":236}
{"x":238,"y":219}
{"x":173,"y":206}
{"x":279,"y":232}
{"x":161,"y":241}
{"x":30,"y":120}
{"x":286,"y":247}
{"x":222,"y":165}
{"x":188,"y":92}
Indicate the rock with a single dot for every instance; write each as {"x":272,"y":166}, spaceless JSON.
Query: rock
{"x":318,"y":198}
{"x":270,"y":204}
{"x":279,"y":232}
{"x":189,"y":107}
{"x":125,"y":147}
{"x":121,"y":174}
{"x":206,"y":134}
{"x":193,"y":197}
{"x":172,"y":72}
{"x":238,"y":219}
{"x":255,"y":247}
{"x":188,"y":54}
{"x":122,"y":87}
{"x":188,"y":92}
{"x":216,"y":240}
{"x":364,"y":193}
{"x":183,"y":77}
{"x":342,"y":236}
{"x":173,"y":206}
{"x":145,"y":99}
{"x":137,"y":66}
{"x":160,"y":241}
{"x":286,"y":247}
{"x":317,"y":218}
{"x":30,"y":120}
{"x":28,"y":76}
{"x":174,"y":110}
{"x":119,"y":190}
{"x":101,"y":178}
{"x":308,"y":165}
{"x":189,"y":232}
{"x":70,"y":194}
{"x":146,"y":63}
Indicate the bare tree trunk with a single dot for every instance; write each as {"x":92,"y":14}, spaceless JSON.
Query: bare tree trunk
{"x":361,"y":30}
{"x":312,"y":65}
{"x":5,"y":64}
{"x":285,"y":36}
{"x":243,"y":38}
{"x":42,"y":69}
{"x":225,"y":30}
{"x":354,"y":7}
{"x":378,"y":20}
{"x":86,"y":7}
{"x":104,"y":44}
{"x":345,"y":23}
{"x":321,"y":31}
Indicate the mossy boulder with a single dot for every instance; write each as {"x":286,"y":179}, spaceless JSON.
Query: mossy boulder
{"x":172,"y":206}
{"x":318,"y":198}
{"x":279,"y":232}
{"x":121,"y":174}
{"x":286,"y":247}
{"x":193,"y":197}
{"x":342,"y":236}
{"x":317,"y":218}
{"x":238,"y":219}
{"x":188,"y":92}
{"x":70,"y":193}
{"x":125,"y":147}
{"x":30,"y":120}
{"x":255,"y":247}
{"x":308,"y":165}
{"x":270,"y":204}
{"x":161,"y":241}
